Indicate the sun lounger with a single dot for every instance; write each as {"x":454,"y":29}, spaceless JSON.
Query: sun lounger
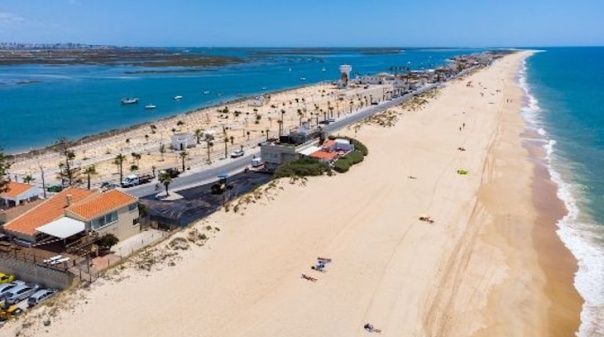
{"x":52,"y":259}
{"x":65,"y":259}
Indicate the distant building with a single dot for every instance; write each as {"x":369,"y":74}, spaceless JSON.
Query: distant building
{"x":183,"y":141}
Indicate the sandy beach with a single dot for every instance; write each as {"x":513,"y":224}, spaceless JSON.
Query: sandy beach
{"x":489,"y":265}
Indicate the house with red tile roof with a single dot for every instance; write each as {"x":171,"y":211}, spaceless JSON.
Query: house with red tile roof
{"x":77,"y":212}
{"x":17,"y":194}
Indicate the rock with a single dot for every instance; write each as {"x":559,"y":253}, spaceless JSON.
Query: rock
{"x":179,"y":243}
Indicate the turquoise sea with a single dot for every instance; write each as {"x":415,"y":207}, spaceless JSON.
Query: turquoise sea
{"x":40,"y":103}
{"x":565,"y":104}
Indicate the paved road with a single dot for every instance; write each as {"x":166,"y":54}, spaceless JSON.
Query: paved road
{"x":230,"y":166}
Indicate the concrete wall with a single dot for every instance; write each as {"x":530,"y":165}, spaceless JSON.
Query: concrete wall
{"x":29,"y":272}
{"x":124,"y":227}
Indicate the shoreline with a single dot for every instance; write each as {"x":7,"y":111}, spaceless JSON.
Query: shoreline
{"x":482,"y":258}
{"x":87,"y":139}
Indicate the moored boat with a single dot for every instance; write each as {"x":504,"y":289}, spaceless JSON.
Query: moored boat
{"x":129,"y":100}
{"x":177,"y":98}
{"x":150,"y":106}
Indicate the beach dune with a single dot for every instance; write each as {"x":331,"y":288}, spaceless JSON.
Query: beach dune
{"x":477,"y":270}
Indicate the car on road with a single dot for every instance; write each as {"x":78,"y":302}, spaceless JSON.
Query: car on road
{"x":331,"y":120}
{"x":20,"y":292}
{"x":324,"y":122}
{"x":40,"y":296}
{"x":172,"y":172}
{"x":374,"y":103}
{"x":237,"y":154}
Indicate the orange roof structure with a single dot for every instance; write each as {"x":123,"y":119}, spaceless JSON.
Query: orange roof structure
{"x":324,"y":155}
{"x":14,"y":189}
{"x":101,"y":204}
{"x":48,"y":211}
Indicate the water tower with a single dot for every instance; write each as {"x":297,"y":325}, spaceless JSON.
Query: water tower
{"x":345,"y":70}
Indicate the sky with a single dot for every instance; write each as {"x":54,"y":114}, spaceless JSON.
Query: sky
{"x":305,"y":23}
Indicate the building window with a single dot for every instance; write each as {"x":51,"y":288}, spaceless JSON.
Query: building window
{"x":103,"y":221}
{"x":132,"y":207}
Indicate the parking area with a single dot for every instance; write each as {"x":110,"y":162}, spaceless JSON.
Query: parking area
{"x":199,"y":202}
{"x":16,"y":296}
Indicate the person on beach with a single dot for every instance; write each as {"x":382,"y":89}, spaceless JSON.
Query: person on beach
{"x":308,"y":278}
{"x":370,"y":328}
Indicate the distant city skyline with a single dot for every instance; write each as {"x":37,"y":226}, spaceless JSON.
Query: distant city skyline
{"x":311,"y":23}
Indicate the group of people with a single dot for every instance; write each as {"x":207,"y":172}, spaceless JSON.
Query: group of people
{"x":319,"y":266}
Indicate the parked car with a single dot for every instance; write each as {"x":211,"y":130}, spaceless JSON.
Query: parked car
{"x":331,"y":120}
{"x":54,"y":188}
{"x":6,"y":278}
{"x":172,"y":171}
{"x":237,"y":154}
{"x":19,"y":293}
{"x":40,"y":296}
{"x":106,"y":186}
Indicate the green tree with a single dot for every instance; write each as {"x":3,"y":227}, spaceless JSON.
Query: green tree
{"x":119,"y":162}
{"x":198,"y":135}
{"x":162,"y":150}
{"x":89,"y":172}
{"x":165,"y":179}
{"x":4,"y":175}
{"x":210,"y":146}
{"x":28,"y":179}
{"x":183,"y":156}
{"x":68,"y":174}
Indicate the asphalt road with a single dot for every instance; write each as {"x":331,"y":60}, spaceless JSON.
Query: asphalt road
{"x":233,"y":165}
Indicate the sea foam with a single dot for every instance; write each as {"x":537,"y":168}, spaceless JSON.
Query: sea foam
{"x":576,"y":230}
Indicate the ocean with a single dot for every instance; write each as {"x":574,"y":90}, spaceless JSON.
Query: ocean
{"x":40,"y":103}
{"x":565,"y":105}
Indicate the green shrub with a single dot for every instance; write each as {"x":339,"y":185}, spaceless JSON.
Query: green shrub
{"x":341,"y":165}
{"x":354,"y":157}
{"x":302,"y":167}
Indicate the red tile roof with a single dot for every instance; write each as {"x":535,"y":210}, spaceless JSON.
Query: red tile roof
{"x":101,"y":204}
{"x":48,"y":211}
{"x":324,"y":155}
{"x":14,"y":189}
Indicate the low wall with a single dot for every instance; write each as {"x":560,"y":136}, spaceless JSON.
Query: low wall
{"x":29,"y":272}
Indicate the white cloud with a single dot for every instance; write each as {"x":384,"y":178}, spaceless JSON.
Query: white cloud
{"x":10,"y":18}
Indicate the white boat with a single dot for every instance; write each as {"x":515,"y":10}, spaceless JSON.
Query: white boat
{"x":206,"y":92}
{"x":150,"y":106}
{"x":290,"y":68}
{"x":129,"y":100}
{"x":302,"y":78}
{"x":323,"y":70}
{"x":177,"y":98}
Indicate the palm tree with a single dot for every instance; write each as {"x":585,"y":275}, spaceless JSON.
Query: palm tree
{"x":198,"y":135}
{"x":280,"y":122}
{"x":210,"y":145}
{"x":89,"y":171}
{"x":226,"y":144}
{"x":162,"y":150}
{"x":165,"y":179}
{"x":119,"y":161}
{"x":248,"y":136}
{"x":28,"y":179}
{"x":136,"y":157}
{"x":300,"y":115}
{"x":232,"y":139}
{"x":183,"y":155}
{"x":146,"y":138}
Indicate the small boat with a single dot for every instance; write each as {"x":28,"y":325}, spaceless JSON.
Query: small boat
{"x":129,"y":100}
{"x":150,"y":106}
{"x":177,"y":98}
{"x":206,"y":92}
{"x":323,"y":70}
{"x":302,"y":78}
{"x":263,"y":88}
{"x":290,"y":68}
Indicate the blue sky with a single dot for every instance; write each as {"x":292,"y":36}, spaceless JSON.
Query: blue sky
{"x":305,"y":23}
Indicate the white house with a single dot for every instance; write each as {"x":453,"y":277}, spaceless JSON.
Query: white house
{"x":182,"y":141}
{"x":18,"y":193}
